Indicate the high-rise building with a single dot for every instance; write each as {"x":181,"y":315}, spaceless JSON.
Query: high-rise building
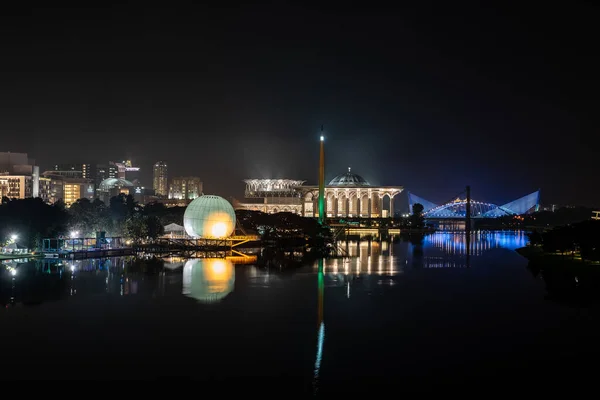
{"x":126,"y":170}
{"x":185,"y":188}
{"x":160,"y":179}
{"x":67,"y":189}
{"x":16,"y":186}
{"x":20,"y":175}
{"x":103,"y":172}
{"x":86,"y":171}
{"x":45,"y":189}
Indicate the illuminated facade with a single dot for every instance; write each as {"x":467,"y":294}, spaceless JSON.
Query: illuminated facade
{"x":127,"y":171}
{"x":185,"y":188}
{"x":347,"y":195}
{"x":16,"y":186}
{"x":159,"y":183}
{"x":275,"y":195}
{"x":54,"y":187}
{"x":45,"y":189}
{"x":104,"y":172}
{"x":456,"y":209}
{"x":74,"y":170}
{"x":20,"y":175}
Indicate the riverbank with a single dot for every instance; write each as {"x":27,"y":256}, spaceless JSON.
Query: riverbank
{"x":568,"y":279}
{"x":536,"y":255}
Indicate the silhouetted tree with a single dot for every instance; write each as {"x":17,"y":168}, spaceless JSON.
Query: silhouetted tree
{"x":31,"y":220}
{"x":88,"y":217}
{"x":416,"y":219}
{"x":535,"y":238}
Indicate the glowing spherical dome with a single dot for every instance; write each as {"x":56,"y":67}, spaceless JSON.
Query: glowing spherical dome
{"x":349,"y":179}
{"x":210,"y":217}
{"x":208,"y":279}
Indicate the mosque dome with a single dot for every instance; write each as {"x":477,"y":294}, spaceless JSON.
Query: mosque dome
{"x":349,"y":179}
{"x":210,"y":217}
{"x":112,"y":183}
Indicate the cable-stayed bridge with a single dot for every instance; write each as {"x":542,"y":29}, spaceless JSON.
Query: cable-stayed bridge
{"x":457,"y":208}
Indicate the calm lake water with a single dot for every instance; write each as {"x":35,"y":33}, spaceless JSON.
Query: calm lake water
{"x":384,"y":315}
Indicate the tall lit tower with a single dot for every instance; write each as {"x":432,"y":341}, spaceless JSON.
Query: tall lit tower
{"x":322,"y":180}
{"x":159,"y":183}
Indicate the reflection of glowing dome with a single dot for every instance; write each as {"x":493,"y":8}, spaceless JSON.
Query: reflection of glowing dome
{"x":209,"y":217}
{"x":112,"y":183}
{"x":208,"y":279}
{"x":349,"y":179}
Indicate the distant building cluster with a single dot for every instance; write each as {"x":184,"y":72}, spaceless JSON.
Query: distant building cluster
{"x":20,"y":178}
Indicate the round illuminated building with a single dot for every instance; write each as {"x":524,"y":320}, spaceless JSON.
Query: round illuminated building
{"x":209,"y":217}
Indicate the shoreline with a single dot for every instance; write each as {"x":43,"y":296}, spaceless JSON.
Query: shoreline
{"x":542,"y":260}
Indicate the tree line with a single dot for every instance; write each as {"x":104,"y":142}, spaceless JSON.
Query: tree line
{"x":582,"y":238}
{"x":31,"y":220}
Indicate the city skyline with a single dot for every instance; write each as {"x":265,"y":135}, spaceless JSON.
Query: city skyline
{"x":431,"y":100}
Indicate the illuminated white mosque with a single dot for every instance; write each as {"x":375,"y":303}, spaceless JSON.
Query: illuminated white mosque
{"x":348,"y":195}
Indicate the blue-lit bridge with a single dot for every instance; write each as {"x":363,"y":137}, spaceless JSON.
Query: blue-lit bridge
{"x":457,"y":208}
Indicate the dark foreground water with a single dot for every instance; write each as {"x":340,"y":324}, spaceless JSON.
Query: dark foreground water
{"x":415,"y":315}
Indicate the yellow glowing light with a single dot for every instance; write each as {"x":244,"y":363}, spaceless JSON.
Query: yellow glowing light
{"x":219,"y":229}
{"x":208,"y":279}
{"x":218,"y":268}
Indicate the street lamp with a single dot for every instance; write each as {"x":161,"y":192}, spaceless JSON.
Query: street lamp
{"x":74,"y":234}
{"x":14,"y":237}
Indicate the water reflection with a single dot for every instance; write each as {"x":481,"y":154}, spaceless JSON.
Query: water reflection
{"x":456,"y":242}
{"x":320,"y":325}
{"x":368,"y":264}
{"x":437,"y":250}
{"x":208,"y":280}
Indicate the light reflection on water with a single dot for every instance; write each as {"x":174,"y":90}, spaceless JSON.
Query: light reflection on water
{"x":212,"y":280}
{"x":208,"y":280}
{"x":302,"y":322}
{"x":437,"y":250}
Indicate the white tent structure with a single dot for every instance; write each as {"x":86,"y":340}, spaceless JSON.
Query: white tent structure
{"x":174,"y":230}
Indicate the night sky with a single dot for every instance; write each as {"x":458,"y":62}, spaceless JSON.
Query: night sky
{"x":431,"y":98}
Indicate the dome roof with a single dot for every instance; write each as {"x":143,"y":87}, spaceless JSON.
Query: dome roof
{"x":112,"y":183}
{"x":210,"y":217}
{"x":349,"y":179}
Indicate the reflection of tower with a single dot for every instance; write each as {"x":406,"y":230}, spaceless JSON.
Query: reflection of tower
{"x":322,"y":179}
{"x":468,"y":227}
{"x":320,"y":326}
{"x":208,"y":280}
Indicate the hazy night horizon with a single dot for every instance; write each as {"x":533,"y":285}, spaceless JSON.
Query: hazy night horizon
{"x":430,"y":99}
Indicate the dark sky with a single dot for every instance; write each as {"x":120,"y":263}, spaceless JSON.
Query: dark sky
{"x":432,"y":98}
